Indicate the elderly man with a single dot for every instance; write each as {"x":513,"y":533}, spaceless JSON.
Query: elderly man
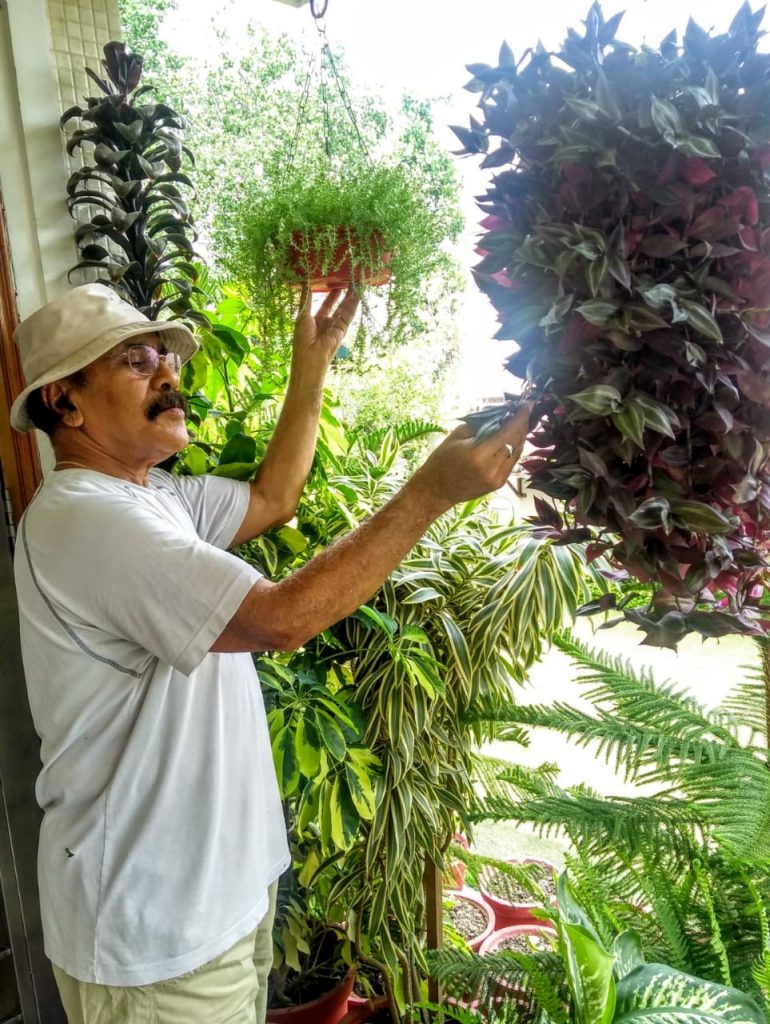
{"x":163,"y":834}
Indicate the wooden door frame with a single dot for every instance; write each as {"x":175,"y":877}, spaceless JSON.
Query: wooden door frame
{"x":18,"y":452}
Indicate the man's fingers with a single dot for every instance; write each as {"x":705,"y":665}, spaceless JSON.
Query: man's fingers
{"x":304,"y":298}
{"x":328,"y":304}
{"x":463,"y":431}
{"x":348,"y":307}
{"x":515,"y":429}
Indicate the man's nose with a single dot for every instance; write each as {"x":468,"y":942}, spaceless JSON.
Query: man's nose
{"x":166,"y":375}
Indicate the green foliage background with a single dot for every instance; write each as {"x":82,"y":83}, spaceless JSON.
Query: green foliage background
{"x":242,"y":111}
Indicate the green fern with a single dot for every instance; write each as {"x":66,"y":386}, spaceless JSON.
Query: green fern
{"x":687,"y":868}
{"x":410,"y":430}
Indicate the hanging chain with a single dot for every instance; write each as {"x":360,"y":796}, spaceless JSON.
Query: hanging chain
{"x":328,"y":64}
{"x":301,"y":116}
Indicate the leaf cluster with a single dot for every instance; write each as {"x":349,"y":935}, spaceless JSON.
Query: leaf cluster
{"x":135,"y":230}
{"x":626,"y":249}
{"x":360,"y":221}
{"x":686,"y":865}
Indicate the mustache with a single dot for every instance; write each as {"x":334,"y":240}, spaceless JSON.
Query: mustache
{"x":168,"y":400}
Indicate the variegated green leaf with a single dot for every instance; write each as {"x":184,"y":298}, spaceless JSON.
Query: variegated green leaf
{"x":658,"y":989}
{"x":601,"y":399}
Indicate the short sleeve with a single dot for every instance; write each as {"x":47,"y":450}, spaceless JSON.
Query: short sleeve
{"x":217,"y":506}
{"x":121,"y":565}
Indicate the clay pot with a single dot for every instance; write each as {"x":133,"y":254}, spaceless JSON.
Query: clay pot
{"x":327,"y":1009}
{"x":340,"y":272}
{"x":477,"y":900}
{"x":506,"y":912}
{"x":496,"y":939}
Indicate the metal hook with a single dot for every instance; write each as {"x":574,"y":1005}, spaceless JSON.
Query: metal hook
{"x":314,"y":5}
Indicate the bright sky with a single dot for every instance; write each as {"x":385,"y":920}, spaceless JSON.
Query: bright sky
{"x":423,"y":46}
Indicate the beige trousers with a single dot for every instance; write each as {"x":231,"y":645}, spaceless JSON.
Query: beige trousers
{"x":229,"y":990}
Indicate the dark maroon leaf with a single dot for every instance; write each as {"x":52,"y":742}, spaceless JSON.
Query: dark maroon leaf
{"x":661,"y":246}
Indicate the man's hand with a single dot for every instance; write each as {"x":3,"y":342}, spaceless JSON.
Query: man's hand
{"x":459,"y":469}
{"x":319,"y":336}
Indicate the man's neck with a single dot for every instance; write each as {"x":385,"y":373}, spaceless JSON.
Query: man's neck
{"x":82,"y":457}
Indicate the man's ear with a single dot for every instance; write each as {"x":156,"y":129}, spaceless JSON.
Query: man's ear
{"x":59,"y":399}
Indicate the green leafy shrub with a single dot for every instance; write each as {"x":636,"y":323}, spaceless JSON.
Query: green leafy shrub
{"x":627,"y":251}
{"x":686,"y":864}
{"x":588,"y":979}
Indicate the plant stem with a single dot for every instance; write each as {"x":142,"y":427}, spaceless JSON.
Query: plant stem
{"x":764,"y":653}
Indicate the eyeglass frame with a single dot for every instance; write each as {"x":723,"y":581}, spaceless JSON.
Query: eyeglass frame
{"x":172,"y":360}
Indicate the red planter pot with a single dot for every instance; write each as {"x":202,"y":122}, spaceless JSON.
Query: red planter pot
{"x":496,"y":939}
{"x":478,"y":901}
{"x":493,"y":942}
{"x":506,"y":912}
{"x":327,"y":1009}
{"x":340,"y":273}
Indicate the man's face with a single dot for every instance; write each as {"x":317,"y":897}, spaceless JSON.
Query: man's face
{"x":130,"y":404}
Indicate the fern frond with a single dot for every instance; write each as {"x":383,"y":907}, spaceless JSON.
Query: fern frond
{"x":734,"y":801}
{"x":627,"y":823}
{"x":630,"y":745}
{"x":409,"y":430}
{"x":539,"y":976}
{"x":705,"y":883}
{"x":760,"y":972}
{"x":640,"y":700}
{"x":746,"y":703}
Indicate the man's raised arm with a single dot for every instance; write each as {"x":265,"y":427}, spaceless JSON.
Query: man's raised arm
{"x":277,"y":487}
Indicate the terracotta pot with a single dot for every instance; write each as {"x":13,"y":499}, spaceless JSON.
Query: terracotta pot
{"x":478,"y":901}
{"x":340,"y":273}
{"x":496,"y":939}
{"x":506,"y":912}
{"x":365,"y":1011}
{"x":327,"y":1009}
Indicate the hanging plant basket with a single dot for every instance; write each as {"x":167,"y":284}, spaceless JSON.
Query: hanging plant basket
{"x":342,"y":268}
{"x":626,"y":249}
{"x":359,"y":225}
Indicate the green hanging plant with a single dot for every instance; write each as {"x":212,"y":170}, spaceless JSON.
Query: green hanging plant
{"x":336,"y":226}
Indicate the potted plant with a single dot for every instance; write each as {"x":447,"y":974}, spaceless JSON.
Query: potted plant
{"x":584,"y":980}
{"x":331,"y":226}
{"x":469,"y":915}
{"x":516,"y":890}
{"x":135,"y":231}
{"x":626,"y":248}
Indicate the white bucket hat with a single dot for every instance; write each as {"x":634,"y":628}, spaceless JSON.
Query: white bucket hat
{"x":72,"y":331}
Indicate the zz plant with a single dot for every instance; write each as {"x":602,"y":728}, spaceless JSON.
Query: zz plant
{"x":626,"y":250}
{"x":138,"y":233}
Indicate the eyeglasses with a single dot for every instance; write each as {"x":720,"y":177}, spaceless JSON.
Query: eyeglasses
{"x":146,"y":360}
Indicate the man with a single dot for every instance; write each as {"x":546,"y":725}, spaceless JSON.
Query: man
{"x":163,"y":834}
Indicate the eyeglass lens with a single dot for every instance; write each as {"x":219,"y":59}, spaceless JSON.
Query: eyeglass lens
{"x":145,"y":359}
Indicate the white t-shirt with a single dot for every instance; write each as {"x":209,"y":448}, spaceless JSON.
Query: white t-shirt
{"x":163,"y":825}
